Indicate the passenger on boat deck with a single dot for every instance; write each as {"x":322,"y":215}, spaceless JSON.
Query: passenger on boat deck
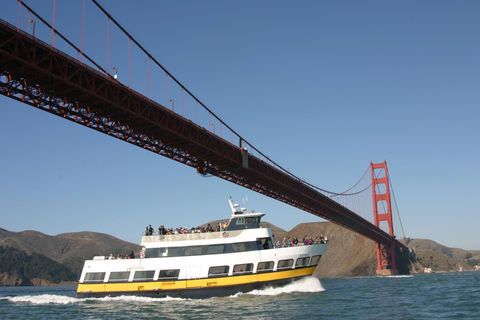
{"x":265,"y":244}
{"x":305,"y":240}
{"x":132,"y":255}
{"x":295,"y":241}
{"x":150,"y":229}
{"x":142,"y":254}
{"x":127,"y":256}
{"x":111,"y":257}
{"x":119,"y":256}
{"x":284,"y":242}
{"x":277,"y":244}
{"x":289,"y":242}
{"x":162,"y":231}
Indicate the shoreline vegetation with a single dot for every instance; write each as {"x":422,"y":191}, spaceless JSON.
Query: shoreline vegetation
{"x":31,"y":258}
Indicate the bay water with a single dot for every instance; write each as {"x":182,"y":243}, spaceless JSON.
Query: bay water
{"x":426,"y":296}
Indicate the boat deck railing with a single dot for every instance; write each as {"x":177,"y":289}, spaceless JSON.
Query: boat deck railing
{"x":190,"y":236}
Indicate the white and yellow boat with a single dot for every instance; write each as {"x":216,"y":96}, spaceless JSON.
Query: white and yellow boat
{"x":240,"y":258}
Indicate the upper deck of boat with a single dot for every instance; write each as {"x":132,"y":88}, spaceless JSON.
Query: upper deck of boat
{"x":190,"y":236}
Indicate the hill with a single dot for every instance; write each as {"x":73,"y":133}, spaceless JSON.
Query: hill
{"x":430,"y":254}
{"x":70,"y":249}
{"x":18,"y":268}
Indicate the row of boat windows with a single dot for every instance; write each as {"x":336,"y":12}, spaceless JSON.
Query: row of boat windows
{"x":215,"y":271}
{"x":259,"y":244}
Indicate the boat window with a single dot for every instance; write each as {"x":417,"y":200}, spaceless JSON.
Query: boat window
{"x":241,"y":247}
{"x":212,"y":249}
{"x":218,"y":271}
{"x":119,"y":276}
{"x":264,"y":243}
{"x":241,"y":221}
{"x":193,"y":251}
{"x":216,"y":248}
{"x":302,"y":262}
{"x":284,"y":264}
{"x":245,"y":268}
{"x":143,"y":275}
{"x":94,"y":277}
{"x":169,"y":274}
{"x":315,"y":260}
{"x":265,"y":266}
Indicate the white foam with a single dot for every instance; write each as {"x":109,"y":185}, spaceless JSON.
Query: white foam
{"x":44,"y":299}
{"x":308,"y":284}
{"x":57,"y":299}
{"x":399,"y":276}
{"x":133,"y":299}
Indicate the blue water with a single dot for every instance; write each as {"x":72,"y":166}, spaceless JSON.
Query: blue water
{"x":430,"y":296}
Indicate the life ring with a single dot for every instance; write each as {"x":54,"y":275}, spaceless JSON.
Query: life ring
{"x":225,"y":234}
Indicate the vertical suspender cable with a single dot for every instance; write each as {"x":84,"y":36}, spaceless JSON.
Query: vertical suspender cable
{"x":18,"y":17}
{"x":129,"y":60}
{"x":149,"y":77}
{"x":108,"y":37}
{"x":53,"y":23}
{"x":83,"y":27}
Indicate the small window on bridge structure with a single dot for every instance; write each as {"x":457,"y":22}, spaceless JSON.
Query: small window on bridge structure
{"x":302,"y":262}
{"x":315,"y":260}
{"x":218,"y":271}
{"x":144,"y":275}
{"x":169,"y":274}
{"x":245,"y":268}
{"x":265,"y":266}
{"x":285,"y":264}
{"x":119,"y":276}
{"x":92,"y":277}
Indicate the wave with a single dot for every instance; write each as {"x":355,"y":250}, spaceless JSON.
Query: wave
{"x":42,"y":299}
{"x":63,"y":300}
{"x":308,"y":284}
{"x":399,"y":276}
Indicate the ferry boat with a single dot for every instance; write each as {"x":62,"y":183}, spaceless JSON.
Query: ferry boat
{"x":240,"y":258}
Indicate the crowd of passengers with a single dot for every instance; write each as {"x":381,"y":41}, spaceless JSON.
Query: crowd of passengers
{"x":149,"y":231}
{"x":287,"y":242}
{"x":130,"y":255}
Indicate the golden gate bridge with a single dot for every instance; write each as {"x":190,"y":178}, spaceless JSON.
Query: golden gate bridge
{"x":57,"y":76}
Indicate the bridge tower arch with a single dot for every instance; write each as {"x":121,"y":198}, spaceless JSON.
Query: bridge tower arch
{"x":382,"y":213}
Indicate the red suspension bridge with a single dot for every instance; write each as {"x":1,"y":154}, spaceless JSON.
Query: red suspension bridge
{"x":57,"y":76}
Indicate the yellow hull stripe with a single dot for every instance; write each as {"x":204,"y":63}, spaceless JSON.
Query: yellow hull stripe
{"x":194,"y":284}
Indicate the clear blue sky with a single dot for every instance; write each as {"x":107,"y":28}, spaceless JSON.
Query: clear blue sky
{"x":321,"y":87}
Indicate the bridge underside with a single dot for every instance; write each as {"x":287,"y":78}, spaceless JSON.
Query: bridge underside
{"x":36,"y":74}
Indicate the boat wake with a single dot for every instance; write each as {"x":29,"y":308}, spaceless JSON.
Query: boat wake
{"x":42,"y":299}
{"x":308,"y":284}
{"x":45,"y":299}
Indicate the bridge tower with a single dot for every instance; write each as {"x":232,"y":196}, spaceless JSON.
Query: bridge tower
{"x":382,"y":213}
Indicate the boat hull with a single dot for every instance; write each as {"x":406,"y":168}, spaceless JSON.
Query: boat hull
{"x":195,"y":289}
